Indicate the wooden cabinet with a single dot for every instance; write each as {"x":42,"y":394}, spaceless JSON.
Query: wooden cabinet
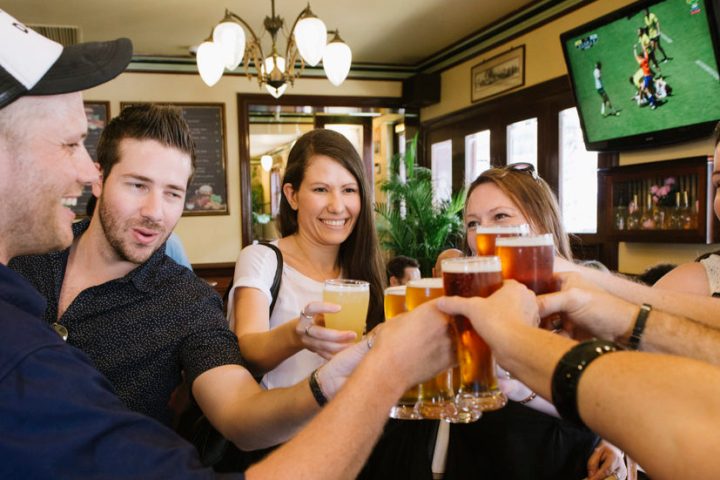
{"x":668,"y":202}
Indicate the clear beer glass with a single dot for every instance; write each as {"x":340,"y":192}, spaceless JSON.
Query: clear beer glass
{"x":394,"y":301}
{"x":485,"y":236}
{"x":529,"y":260}
{"x":353,"y":296}
{"x":433,"y":394}
{"x":478,"y":388}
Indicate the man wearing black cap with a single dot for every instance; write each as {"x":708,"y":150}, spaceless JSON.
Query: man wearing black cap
{"x":59,"y":417}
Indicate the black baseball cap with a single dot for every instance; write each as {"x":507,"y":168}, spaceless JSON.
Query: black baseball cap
{"x":31,"y":64}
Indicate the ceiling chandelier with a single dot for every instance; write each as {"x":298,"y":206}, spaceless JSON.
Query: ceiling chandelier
{"x":227,"y":48}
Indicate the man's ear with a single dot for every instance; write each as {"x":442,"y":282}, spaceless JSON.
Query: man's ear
{"x":394,"y":282}
{"x":97,"y":186}
{"x":290,"y":194}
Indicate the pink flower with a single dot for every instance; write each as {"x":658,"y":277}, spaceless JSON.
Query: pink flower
{"x":654,"y":189}
{"x":670,"y":181}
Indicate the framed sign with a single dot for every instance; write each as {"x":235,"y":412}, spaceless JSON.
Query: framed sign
{"x":498,"y":74}
{"x":98,"y":114}
{"x":207,"y":192}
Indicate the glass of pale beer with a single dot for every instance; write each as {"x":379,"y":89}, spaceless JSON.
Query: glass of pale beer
{"x":529,"y":260}
{"x":478,"y":389}
{"x":353,"y":296}
{"x":485,"y":236}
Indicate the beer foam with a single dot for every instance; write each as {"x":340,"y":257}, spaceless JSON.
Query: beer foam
{"x":532,"y":241}
{"x":426,"y":283}
{"x":522,"y":229}
{"x":346,"y":286}
{"x":471,"y":264}
{"x":396,"y":290}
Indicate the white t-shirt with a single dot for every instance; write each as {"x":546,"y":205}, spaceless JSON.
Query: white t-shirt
{"x":598,"y":80}
{"x":712,"y":268}
{"x":255,"y":268}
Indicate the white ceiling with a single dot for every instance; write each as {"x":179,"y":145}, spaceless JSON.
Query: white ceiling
{"x":378,"y":31}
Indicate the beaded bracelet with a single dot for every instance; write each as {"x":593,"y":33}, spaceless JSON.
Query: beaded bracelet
{"x":317,"y":392}
{"x":567,"y":375}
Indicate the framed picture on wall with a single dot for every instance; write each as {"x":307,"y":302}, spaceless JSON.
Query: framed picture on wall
{"x":498,"y":74}
{"x":207,"y":192}
{"x":98,"y":114}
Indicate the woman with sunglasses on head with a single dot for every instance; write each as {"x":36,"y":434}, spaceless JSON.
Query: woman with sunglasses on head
{"x":328,"y":231}
{"x":526,"y":439}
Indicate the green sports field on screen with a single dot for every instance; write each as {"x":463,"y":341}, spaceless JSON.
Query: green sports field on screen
{"x":691,"y":72}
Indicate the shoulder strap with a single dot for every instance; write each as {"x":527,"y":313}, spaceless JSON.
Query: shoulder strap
{"x":275,"y":288}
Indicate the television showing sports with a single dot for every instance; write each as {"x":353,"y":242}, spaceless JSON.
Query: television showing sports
{"x":646,"y":75}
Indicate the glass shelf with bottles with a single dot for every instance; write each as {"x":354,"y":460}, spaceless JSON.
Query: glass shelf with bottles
{"x":659,"y":202}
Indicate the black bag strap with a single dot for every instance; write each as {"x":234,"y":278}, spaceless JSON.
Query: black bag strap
{"x":275,"y":287}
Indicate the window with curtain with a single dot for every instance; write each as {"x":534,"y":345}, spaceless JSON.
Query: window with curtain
{"x":477,"y":155}
{"x":578,"y":176}
{"x":522,"y":142}
{"x":441,"y":162}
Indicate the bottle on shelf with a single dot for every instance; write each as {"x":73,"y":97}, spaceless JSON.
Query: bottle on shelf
{"x":647,"y":217}
{"x":676,"y":220}
{"x":633,"y":215}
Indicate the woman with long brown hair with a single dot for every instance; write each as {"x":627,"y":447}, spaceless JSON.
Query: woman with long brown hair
{"x":327,"y":231}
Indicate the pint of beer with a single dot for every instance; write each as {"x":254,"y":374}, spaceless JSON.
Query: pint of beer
{"x":485,"y":236}
{"x":529,"y":260}
{"x":422,"y":401}
{"x":353,"y":296}
{"x":478,"y":389}
{"x":394,"y":301}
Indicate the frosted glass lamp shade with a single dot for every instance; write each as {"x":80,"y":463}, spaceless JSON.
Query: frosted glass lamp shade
{"x":230,"y":37}
{"x":310,"y":38}
{"x":210,"y":63}
{"x":276,"y":92}
{"x":336,"y":61}
{"x":266,"y":161}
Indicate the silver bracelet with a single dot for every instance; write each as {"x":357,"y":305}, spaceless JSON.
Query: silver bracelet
{"x":528,"y":399}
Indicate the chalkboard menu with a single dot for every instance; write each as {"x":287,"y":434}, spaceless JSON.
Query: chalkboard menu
{"x":207,"y":193}
{"x":97,"y":114}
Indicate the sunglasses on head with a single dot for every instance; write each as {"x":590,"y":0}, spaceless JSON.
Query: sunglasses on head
{"x":522,"y":167}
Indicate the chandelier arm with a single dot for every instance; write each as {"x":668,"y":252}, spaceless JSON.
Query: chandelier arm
{"x":237,"y":18}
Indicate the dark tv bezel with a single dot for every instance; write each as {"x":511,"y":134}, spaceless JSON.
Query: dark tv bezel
{"x":650,"y":139}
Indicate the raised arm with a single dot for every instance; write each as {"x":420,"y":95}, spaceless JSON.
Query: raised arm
{"x":688,"y":278}
{"x":620,"y":396}
{"x":264,"y":348}
{"x":702,"y":309}
{"x":612,"y":318}
{"x":337,"y":442}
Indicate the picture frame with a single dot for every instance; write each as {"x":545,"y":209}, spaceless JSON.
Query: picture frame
{"x":207,"y":193}
{"x":97,"y":114}
{"x":498,"y":74}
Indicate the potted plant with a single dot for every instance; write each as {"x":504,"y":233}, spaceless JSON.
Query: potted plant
{"x":412,"y":222}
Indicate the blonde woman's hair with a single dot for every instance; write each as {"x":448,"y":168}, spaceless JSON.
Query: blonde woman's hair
{"x":534,"y":199}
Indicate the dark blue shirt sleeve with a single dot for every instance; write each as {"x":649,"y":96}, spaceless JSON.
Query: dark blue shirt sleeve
{"x":60,"y":419}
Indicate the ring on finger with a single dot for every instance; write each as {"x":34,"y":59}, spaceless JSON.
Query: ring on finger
{"x":306,"y":315}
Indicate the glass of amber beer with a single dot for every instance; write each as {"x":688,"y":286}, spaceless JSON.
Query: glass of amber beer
{"x":353,"y":296}
{"x":432,"y":394}
{"x":478,"y":389}
{"x":529,"y":260}
{"x":485,"y":236}
{"x":394,"y":301}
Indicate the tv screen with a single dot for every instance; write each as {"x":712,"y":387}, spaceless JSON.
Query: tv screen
{"x":646,"y":75}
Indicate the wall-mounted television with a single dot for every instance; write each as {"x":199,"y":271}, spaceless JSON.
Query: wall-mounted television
{"x":646,"y":75}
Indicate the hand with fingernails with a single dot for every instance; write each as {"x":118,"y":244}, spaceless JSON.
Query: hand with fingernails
{"x":311,"y":333}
